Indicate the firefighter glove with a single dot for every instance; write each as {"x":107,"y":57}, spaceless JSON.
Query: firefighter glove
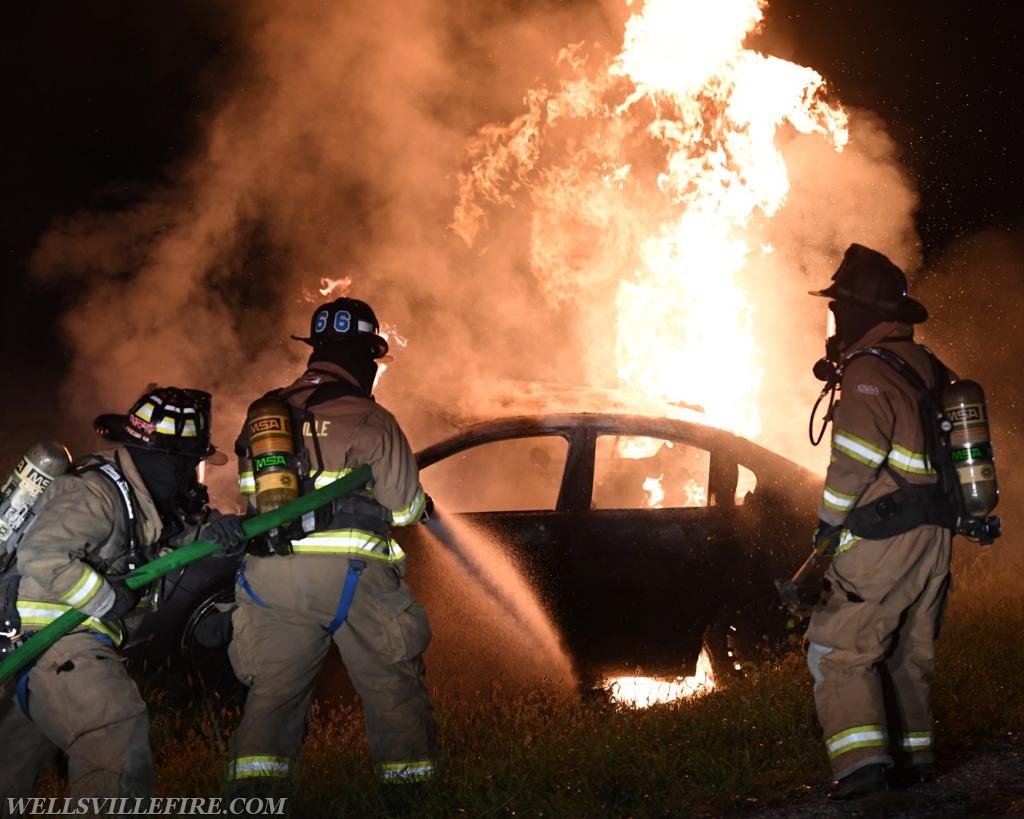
{"x":125,"y":599}
{"x":227,"y":532}
{"x":826,"y":538}
{"x":10,"y":620}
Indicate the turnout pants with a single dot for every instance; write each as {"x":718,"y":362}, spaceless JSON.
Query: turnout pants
{"x":279,"y":645}
{"x":81,"y":701}
{"x":872,"y":649}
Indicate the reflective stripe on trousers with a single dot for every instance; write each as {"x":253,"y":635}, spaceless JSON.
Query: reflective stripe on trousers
{"x":419,"y":771}
{"x":860,"y":736}
{"x":250,"y":767}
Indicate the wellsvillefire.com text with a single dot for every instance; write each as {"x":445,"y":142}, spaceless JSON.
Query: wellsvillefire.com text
{"x":156,"y":806}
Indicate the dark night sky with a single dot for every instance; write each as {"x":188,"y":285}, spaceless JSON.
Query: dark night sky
{"x":102,"y":98}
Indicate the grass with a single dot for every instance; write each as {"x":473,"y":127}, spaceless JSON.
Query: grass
{"x":543,"y":753}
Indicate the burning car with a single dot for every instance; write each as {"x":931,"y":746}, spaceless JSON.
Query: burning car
{"x":646,"y":538}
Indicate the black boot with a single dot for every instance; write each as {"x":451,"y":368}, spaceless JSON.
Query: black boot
{"x":923,"y":774}
{"x":862,"y":782}
{"x":404,"y":799}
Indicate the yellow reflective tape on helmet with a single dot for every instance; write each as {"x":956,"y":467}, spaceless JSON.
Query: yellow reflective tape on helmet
{"x":145,"y":411}
{"x":85,"y":589}
{"x":417,"y":771}
{"x":857,"y":448}
{"x":860,"y":736}
{"x":35,"y":613}
{"x":249,"y":767}
{"x":412,"y":512}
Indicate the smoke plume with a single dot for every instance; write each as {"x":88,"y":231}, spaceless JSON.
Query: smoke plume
{"x":333,"y":156}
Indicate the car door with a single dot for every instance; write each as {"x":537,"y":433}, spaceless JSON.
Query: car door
{"x":498,"y":506}
{"x":655,"y":550}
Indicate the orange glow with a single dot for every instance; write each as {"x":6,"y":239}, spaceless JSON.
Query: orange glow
{"x":651,"y":176}
{"x":643,"y":692}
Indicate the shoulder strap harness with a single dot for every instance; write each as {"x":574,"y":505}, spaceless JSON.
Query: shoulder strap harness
{"x":913,"y":505}
{"x":352,"y":511}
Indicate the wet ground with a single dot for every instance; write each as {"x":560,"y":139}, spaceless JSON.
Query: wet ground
{"x":983,"y":781}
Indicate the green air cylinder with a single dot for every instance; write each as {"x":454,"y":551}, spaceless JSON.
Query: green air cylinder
{"x":971,"y":446}
{"x":22,"y":490}
{"x":272,"y":448}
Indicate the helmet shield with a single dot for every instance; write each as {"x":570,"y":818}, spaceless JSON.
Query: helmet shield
{"x":165,"y":419}
{"x":868,"y":279}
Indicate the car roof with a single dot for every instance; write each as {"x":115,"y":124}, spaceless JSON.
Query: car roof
{"x":744,"y":451}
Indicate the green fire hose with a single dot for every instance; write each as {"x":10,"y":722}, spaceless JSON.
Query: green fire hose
{"x":155,"y":569}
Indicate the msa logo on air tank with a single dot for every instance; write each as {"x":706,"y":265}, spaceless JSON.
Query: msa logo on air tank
{"x":969,"y":412}
{"x":265,"y":425}
{"x":33,"y":476}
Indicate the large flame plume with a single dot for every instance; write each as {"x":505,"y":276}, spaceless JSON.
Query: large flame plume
{"x":650,"y":176}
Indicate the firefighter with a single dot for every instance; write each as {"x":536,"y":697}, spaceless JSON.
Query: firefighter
{"x":114,"y":510}
{"x":336,"y":577}
{"x":872,"y":639}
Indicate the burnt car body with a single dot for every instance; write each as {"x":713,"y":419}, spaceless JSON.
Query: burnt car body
{"x":633,"y":578}
{"x":184,"y":639}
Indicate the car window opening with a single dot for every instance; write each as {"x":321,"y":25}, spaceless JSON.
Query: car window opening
{"x":508,"y":475}
{"x":645,"y":472}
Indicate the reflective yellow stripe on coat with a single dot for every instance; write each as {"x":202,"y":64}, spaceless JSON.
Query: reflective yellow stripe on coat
{"x":349,"y":542}
{"x":36,"y":614}
{"x":85,"y":589}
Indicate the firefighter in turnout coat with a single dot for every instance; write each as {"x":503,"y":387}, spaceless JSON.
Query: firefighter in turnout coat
{"x":337,"y":577}
{"x":885,"y":594}
{"x":93,"y":526}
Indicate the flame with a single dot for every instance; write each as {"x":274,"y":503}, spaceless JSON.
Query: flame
{"x":654,"y":490}
{"x":339,"y":287}
{"x":696,"y":495}
{"x":651,"y":176}
{"x":643,"y":692}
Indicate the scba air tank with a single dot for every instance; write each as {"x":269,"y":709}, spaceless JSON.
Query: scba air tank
{"x":971,"y":446}
{"x":272,"y":448}
{"x":23,"y":488}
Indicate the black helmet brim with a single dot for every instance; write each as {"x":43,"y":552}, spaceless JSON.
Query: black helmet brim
{"x":907,"y":310}
{"x":380,"y":353}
